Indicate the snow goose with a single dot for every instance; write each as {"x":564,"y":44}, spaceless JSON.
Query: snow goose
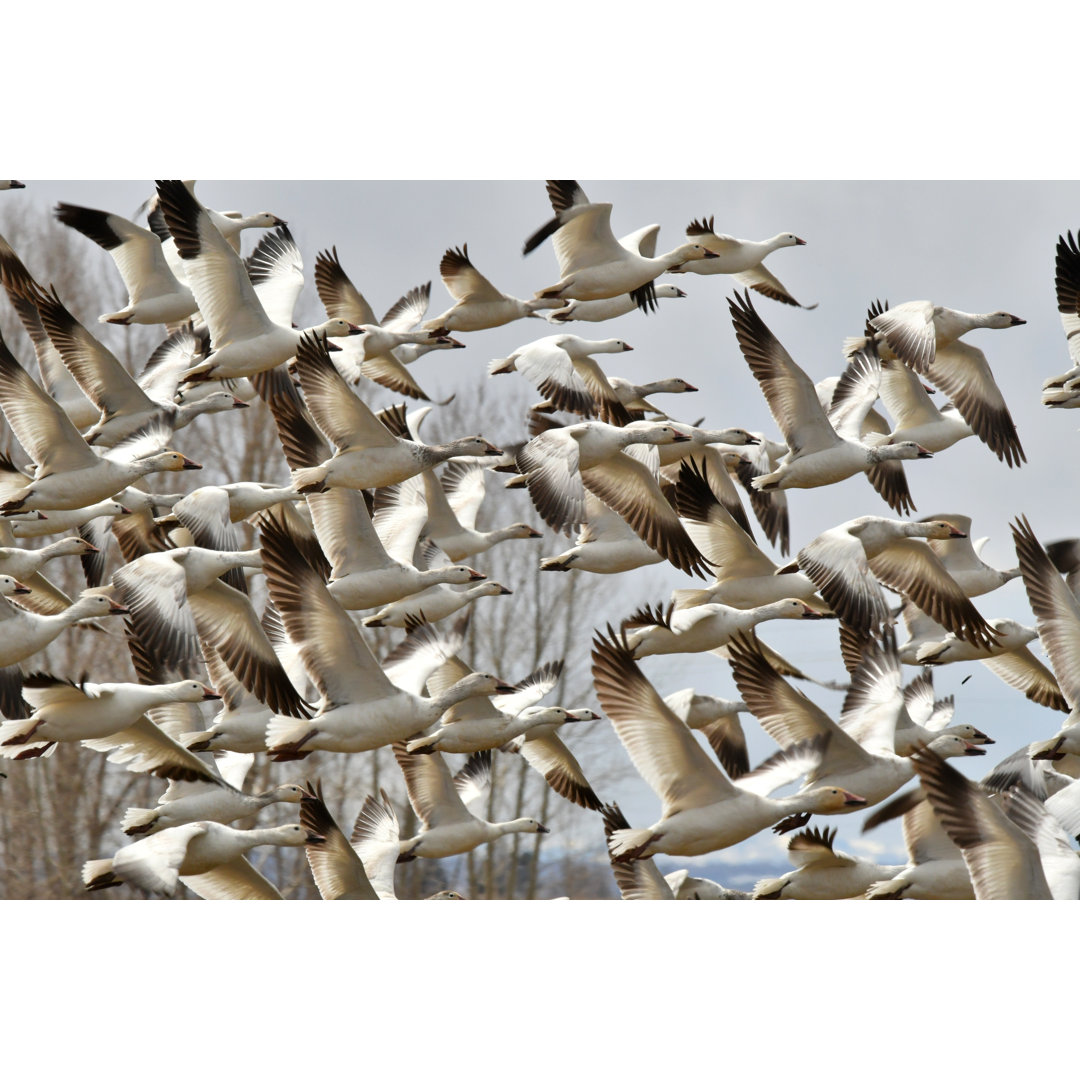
{"x":1060,"y":390}
{"x":559,"y":465}
{"x":817,"y":455}
{"x":66,"y":712}
{"x":361,"y":709}
{"x":440,"y":803}
{"x":124,"y":406}
{"x":69,"y":474}
{"x":1003,"y":862}
{"x":245,"y":339}
{"x":742,"y":259}
{"x":154,"y":293}
{"x":745,"y":577}
{"x":375,"y":355}
{"x":477,"y":724}
{"x":821,"y":872}
{"x":847,"y":562}
{"x":872,"y":767}
{"x":436,"y":601}
{"x":605,"y":545}
{"x":925,"y":337}
{"x":936,"y":869}
{"x":206,"y":856}
{"x":702,"y":810}
{"x":612,"y":308}
{"x":25,"y":564}
{"x":593,"y":265}
{"x":56,"y":378}
{"x":23,"y":633}
{"x":367,"y":454}
{"x":960,"y":557}
{"x":545,"y":752}
{"x":478,"y":304}
{"x":1057,"y":614}
{"x":915,"y":417}
{"x":704,"y":627}
{"x":452,"y":505}
{"x":918,"y":330}
{"x":364,"y":574}
{"x":634,"y":396}
{"x":561,"y":367}
{"x":176,"y":600}
{"x":29,"y":526}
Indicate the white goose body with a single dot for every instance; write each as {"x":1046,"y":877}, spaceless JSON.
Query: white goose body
{"x":206,"y":855}
{"x":611,"y":308}
{"x":64,"y":712}
{"x":710,"y":626}
{"x":23,"y":633}
{"x":434,"y":603}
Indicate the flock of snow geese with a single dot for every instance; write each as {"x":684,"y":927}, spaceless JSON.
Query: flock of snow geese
{"x":377,"y":522}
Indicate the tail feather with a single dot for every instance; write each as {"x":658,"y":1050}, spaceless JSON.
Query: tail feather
{"x":309,"y":480}
{"x":138,"y":821}
{"x":627,"y":844}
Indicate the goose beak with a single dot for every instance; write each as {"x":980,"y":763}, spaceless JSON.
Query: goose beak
{"x":542,"y":829}
{"x":504,"y":591}
{"x":971,"y":750}
{"x":209,"y":695}
{"x":278,"y":223}
{"x":799,"y":243}
{"x":492,"y":451}
{"x":90,"y":547}
{"x":20,"y":588}
{"x":118,"y":609}
{"x":810,"y":613}
{"x":505,"y":688}
{"x":627,"y":348}
{"x":924,"y":453}
{"x":534,"y":535}
{"x":853,"y":800}
{"x":13,"y":184}
{"x":124,"y":510}
{"x":680,"y":437}
{"x":957,"y":534}
{"x":689,"y":388}
{"x":238,"y":404}
{"x":680,"y":293}
{"x":711,"y":255}
{"x":984,"y":740}
{"x":189,"y":464}
{"x":354,"y":329}
{"x":1017,"y":321}
{"x":474,"y":576}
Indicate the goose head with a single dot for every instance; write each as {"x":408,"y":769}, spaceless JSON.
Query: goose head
{"x":218,"y":401}
{"x":655,"y":434}
{"x":661,"y":290}
{"x":290,"y":793}
{"x":263,"y":220}
{"x":789,"y":609}
{"x":72,"y":545}
{"x":520,"y":531}
{"x":578,"y":715}
{"x":832,"y":800}
{"x":169,"y":461}
{"x":94,"y":605}
{"x":525,"y":825}
{"x":10,"y":586}
{"x":901,"y":451}
{"x":785,"y":239}
{"x":192,"y":691}
{"x":338,"y":328}
{"x":291,"y":836}
{"x":685,"y":253}
{"x":946,"y":746}
{"x":936,"y":530}
{"x":1001,"y":320}
{"x":461,"y":575}
{"x":470,"y":446}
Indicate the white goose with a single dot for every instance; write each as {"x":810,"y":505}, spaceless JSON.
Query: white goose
{"x":925,"y":337}
{"x":436,"y":601}
{"x":245,"y":339}
{"x":561,"y":367}
{"x":361,"y":709}
{"x":611,"y":308}
{"x":206,"y":856}
{"x":154,"y":293}
{"x":833,"y":756}
{"x":366,"y":454}
{"x":452,"y":505}
{"x":364,"y":574}
{"x":1060,"y":391}
{"x":718,"y":720}
{"x":66,"y":712}
{"x":386,"y":345}
{"x":478,"y":304}
{"x":702,"y":809}
{"x":605,"y":545}
{"x":69,"y":474}
{"x":817,"y":454}
{"x":23,"y":633}
{"x":561,"y":463}
{"x":742,"y":259}
{"x":447,"y":827}
{"x":125,"y":408}
{"x":822,"y":873}
{"x":915,"y":416}
{"x":847,"y":562}
{"x":593,"y":265}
